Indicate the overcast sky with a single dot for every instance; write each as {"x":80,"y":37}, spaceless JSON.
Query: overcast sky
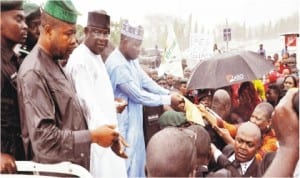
{"x":208,"y":12}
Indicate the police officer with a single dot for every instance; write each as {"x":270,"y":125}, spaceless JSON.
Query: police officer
{"x":33,"y":20}
{"x":13,"y":31}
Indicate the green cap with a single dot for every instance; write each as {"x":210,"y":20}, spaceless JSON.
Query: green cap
{"x":172,"y":118}
{"x":62,"y":9}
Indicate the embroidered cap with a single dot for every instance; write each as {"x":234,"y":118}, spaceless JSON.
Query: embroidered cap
{"x":7,"y":5}
{"x":132,"y":32}
{"x":63,"y":10}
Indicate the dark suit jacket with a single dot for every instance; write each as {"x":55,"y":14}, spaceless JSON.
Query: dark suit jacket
{"x":253,"y":170}
{"x":201,"y":171}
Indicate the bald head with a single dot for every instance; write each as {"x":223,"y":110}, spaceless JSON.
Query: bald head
{"x":203,"y":140}
{"x":265,"y":109}
{"x":202,"y":144}
{"x":249,"y":129}
{"x":170,"y":152}
{"x":221,"y":103}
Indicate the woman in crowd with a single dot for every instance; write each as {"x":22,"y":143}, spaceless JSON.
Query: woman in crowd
{"x":290,"y":81}
{"x":248,"y":99}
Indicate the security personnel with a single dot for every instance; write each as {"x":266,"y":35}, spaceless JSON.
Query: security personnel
{"x":33,"y":20}
{"x":13,"y":31}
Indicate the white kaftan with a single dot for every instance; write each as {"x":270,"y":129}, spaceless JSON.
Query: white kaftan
{"x":95,"y":92}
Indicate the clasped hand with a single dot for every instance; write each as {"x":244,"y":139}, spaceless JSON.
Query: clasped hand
{"x":106,"y":136}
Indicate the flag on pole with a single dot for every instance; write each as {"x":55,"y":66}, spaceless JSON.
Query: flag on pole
{"x":291,"y":39}
{"x":171,"y":62}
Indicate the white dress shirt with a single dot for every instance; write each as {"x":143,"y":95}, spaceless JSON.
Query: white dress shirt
{"x":244,"y":165}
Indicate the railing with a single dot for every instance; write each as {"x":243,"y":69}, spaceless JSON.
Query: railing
{"x":61,"y":168}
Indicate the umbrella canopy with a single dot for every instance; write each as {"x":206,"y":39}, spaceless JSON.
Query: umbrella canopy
{"x":229,"y":68}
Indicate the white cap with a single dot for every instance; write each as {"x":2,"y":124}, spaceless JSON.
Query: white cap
{"x":132,"y":32}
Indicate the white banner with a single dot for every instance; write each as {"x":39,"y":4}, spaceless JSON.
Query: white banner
{"x":172,"y":57}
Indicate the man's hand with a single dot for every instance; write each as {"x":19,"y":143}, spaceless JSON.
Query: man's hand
{"x":285,"y":121}
{"x":224,"y":133}
{"x":7,"y":164}
{"x":105,"y":135}
{"x":120,"y":104}
{"x":119,"y":146}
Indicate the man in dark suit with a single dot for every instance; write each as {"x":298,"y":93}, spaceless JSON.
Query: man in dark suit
{"x":240,"y":159}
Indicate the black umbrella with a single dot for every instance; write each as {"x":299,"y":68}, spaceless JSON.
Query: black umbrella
{"x":229,"y":68}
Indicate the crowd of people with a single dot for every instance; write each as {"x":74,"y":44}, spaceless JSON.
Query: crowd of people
{"x":90,"y":102}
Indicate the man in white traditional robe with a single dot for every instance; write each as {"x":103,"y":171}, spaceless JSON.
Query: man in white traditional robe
{"x":95,"y":92}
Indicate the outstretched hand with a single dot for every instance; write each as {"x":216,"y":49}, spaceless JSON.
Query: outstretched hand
{"x":224,"y":133}
{"x":119,"y":146}
{"x":7,"y":164}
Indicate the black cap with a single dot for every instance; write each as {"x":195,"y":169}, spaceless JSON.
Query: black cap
{"x":98,"y":20}
{"x":7,"y":5}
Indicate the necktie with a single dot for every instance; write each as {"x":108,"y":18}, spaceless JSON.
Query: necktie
{"x":237,"y":165}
